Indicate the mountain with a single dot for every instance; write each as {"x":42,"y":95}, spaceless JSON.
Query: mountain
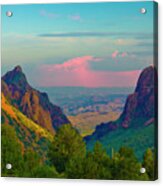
{"x":33,"y":104}
{"x":136,"y":125}
{"x":141,"y":104}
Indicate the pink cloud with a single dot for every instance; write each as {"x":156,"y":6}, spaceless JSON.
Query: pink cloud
{"x":115,"y":54}
{"x":74,"y":64}
{"x":124,"y":54}
{"x":74,"y":72}
{"x":78,"y":72}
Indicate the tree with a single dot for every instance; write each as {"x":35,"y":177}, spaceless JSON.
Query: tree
{"x":75,"y":168}
{"x":12,"y":152}
{"x":149,"y":163}
{"x":67,"y":146}
{"x":44,"y":171}
{"x":31,"y":161}
{"x":99,"y":162}
{"x":126,"y":166}
{"x":95,"y":165}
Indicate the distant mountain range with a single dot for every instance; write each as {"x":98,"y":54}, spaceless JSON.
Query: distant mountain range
{"x":136,"y":125}
{"x":32,"y":103}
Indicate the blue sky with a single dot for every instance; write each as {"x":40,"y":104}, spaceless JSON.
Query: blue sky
{"x":49,"y":34}
{"x":94,"y":16}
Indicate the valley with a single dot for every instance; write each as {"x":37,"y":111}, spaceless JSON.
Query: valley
{"x":88,"y":107}
{"x":47,"y":124}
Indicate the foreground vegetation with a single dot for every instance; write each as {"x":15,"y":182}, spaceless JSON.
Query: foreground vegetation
{"x":68,"y":158}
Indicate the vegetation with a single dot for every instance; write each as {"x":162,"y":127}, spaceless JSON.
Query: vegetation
{"x":68,"y":159}
{"x":150,"y":164}
{"x":66,"y":146}
{"x":24,"y":163}
{"x":25,"y":145}
{"x":126,"y":166}
{"x":11,"y":151}
{"x":29,"y":133}
{"x":96,"y":164}
{"x":138,"y":139}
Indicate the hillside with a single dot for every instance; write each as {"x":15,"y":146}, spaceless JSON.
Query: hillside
{"x":143,"y":102}
{"x":30,"y":134}
{"x":136,"y":126}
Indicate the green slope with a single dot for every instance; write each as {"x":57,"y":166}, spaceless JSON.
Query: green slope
{"x":138,"y":138}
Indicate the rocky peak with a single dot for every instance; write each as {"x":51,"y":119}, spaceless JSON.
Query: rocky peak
{"x":16,"y":78}
{"x":18,"y":69}
{"x":32,"y":103}
{"x":141,"y":104}
{"x":146,"y":79}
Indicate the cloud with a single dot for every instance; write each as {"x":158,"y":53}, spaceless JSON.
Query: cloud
{"x":124,"y":54}
{"x":75,"y":17}
{"x":75,"y":64}
{"x":78,"y":72}
{"x":73,"y":72}
{"x":44,"y":13}
{"x":99,"y":34}
{"x":116,"y":54}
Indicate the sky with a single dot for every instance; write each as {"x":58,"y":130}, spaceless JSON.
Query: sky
{"x":82,"y":44}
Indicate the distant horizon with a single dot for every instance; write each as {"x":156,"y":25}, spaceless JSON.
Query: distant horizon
{"x":109,"y":90}
{"x":85,"y":87}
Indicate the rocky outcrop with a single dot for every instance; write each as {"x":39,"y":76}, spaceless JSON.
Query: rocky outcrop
{"x":32,"y":103}
{"x":142,"y":103}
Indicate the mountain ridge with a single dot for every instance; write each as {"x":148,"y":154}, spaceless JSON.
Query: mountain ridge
{"x":31,"y":102}
{"x":141,"y":104}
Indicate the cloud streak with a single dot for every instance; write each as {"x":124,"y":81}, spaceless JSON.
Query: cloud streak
{"x":99,"y":34}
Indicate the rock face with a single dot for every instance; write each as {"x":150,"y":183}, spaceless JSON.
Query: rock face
{"x":142,"y":103}
{"x":34,"y":104}
{"x":140,"y":108}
